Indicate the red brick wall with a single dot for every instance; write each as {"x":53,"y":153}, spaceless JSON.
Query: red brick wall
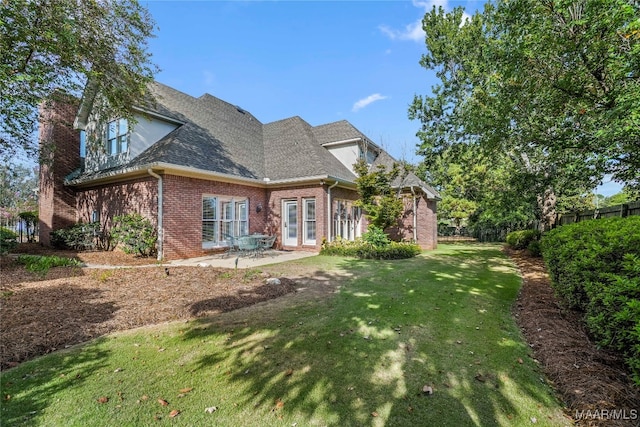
{"x":182,"y":212}
{"x":134,"y":196}
{"x":274,"y":217}
{"x":426,"y":230}
{"x":60,"y":150}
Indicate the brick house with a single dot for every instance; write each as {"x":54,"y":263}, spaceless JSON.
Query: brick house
{"x":201,"y":168}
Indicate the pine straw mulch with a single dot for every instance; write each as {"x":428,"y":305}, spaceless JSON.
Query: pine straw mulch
{"x":70,"y":305}
{"x":587,"y":378}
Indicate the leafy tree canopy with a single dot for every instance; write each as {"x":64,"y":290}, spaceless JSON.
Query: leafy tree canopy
{"x":65,"y":45}
{"x":549,"y":89}
{"x":380,"y":201}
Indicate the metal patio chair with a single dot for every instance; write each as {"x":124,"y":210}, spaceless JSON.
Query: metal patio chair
{"x":248,"y":245}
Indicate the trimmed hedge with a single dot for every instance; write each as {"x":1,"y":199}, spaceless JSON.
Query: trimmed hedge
{"x":521,"y":239}
{"x":8,"y":240}
{"x":595,"y":267}
{"x":363,"y":250}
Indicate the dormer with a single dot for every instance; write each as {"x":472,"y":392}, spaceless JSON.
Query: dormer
{"x":114,"y":141}
{"x":349,"y":151}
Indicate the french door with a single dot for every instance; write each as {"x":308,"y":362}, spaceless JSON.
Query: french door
{"x":290,"y":223}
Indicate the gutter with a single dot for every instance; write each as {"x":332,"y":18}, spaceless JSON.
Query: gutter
{"x":415,"y":216}
{"x":329,"y":210}
{"x":160,"y":222}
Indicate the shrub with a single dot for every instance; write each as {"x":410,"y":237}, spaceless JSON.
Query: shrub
{"x":521,"y":239}
{"x":78,"y":237}
{"x":41,"y":264}
{"x":135,"y":233}
{"x":595,"y":267}
{"x":363,"y":250}
{"x":534,"y":248}
{"x":8,"y":240}
{"x":376,"y":236}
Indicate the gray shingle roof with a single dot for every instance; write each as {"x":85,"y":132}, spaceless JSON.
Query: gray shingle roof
{"x":292,"y":151}
{"x":219,"y":137}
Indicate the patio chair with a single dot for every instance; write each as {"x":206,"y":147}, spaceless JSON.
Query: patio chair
{"x":265,"y":244}
{"x":232,"y":243}
{"x":248,"y":245}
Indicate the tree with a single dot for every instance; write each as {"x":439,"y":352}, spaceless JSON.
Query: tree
{"x":553,"y":86}
{"x":66,"y":45}
{"x":18,"y":189}
{"x":379,"y":200}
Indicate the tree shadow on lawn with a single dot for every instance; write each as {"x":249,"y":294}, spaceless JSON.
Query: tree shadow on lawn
{"x":346,"y":360}
{"x":38,"y":388}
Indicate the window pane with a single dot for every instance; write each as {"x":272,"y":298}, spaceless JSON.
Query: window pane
{"x":242,"y":211}
{"x":209,"y":208}
{"x":209,"y":232}
{"x":123,"y":127}
{"x":113,"y":146}
{"x":111,"y":130}
{"x":311,"y":231}
{"x":311,"y":210}
{"x":124,"y":142}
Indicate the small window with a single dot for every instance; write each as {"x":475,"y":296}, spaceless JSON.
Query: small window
{"x":83,"y":144}
{"x":309,"y":221}
{"x":117,"y":137}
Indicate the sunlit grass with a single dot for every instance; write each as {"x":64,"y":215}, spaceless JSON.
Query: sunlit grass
{"x":358,"y":357}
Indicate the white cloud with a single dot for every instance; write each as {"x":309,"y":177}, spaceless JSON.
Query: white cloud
{"x":414,"y":30}
{"x":366,"y":101}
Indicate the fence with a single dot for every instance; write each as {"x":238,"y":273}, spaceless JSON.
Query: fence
{"x":624,"y":210}
{"x":25,"y":232}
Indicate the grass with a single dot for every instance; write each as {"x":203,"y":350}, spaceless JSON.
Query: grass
{"x":358,"y":357}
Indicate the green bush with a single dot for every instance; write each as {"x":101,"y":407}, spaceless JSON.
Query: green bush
{"x":78,"y":237}
{"x":135,"y":233}
{"x":376,"y":236}
{"x":363,"y":250}
{"x":520,"y":239}
{"x":8,"y":240}
{"x":595,"y":267}
{"x":534,"y":248}
{"x":42,"y":263}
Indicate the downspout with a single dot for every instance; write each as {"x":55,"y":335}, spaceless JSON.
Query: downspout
{"x":160,"y":225}
{"x":329,"y":239}
{"x":415,"y":216}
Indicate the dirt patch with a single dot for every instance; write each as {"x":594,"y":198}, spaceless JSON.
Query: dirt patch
{"x":592,"y":382}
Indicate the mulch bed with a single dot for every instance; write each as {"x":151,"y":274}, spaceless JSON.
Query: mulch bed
{"x":589,"y":380}
{"x":71,"y":305}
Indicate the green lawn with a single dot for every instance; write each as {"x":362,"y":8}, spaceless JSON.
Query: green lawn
{"x":358,"y":357}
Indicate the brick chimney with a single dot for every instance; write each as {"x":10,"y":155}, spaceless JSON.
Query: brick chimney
{"x":60,"y":155}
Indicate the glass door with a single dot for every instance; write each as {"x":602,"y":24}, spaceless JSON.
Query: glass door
{"x":290,"y":223}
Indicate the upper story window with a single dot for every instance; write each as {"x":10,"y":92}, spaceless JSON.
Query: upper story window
{"x":117,"y":137}
{"x":83,"y":144}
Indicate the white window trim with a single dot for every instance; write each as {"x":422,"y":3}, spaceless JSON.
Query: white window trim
{"x":305,"y":221}
{"x":219,"y":222}
{"x":117,"y":137}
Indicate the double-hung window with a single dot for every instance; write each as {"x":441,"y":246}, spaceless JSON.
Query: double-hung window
{"x":309,"y":213}
{"x":223,"y":216}
{"x":117,"y":137}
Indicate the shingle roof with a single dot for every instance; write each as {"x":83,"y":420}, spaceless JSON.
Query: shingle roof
{"x":337,"y":131}
{"x":293,"y":151}
{"x":219,"y":137}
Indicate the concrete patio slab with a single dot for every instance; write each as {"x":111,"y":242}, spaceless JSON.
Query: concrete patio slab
{"x":218,"y":260}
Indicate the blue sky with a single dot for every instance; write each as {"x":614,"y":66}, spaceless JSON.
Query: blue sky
{"x":321,"y":60}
